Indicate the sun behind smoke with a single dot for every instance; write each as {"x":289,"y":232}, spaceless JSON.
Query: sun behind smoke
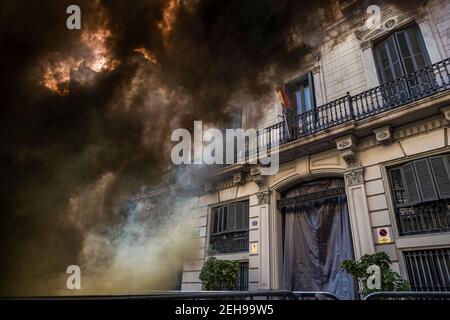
{"x":94,"y":52}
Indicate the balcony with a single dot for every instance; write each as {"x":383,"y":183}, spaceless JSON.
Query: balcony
{"x":413,"y":87}
{"x":229,"y":242}
{"x":424,"y":218}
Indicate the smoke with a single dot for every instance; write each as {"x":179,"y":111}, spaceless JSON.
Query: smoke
{"x":145,"y":251}
{"x":86,"y":117}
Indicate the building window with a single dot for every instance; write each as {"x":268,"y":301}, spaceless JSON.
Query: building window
{"x":301,"y":95}
{"x":421,"y":195}
{"x":229,"y":228}
{"x":428,"y":270}
{"x":401,"y":55}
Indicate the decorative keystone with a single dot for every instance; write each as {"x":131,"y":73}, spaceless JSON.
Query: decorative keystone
{"x":346,"y":142}
{"x":383,"y":134}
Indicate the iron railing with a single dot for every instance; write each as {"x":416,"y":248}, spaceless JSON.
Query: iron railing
{"x":229,"y":242}
{"x":412,"y":87}
{"x":423,"y":218}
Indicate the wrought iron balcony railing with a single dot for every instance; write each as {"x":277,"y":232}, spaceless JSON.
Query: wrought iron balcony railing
{"x":412,"y":87}
{"x":229,"y":242}
{"x":423,"y":218}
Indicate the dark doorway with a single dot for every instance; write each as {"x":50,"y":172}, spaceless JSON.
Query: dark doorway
{"x":317,"y":238}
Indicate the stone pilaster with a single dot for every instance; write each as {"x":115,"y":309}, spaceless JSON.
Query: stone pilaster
{"x":259,"y":249}
{"x":356,"y":197}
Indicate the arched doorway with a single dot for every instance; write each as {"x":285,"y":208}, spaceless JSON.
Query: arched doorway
{"x":316,"y":238}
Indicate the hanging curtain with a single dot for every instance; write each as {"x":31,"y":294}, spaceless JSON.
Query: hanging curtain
{"x":317,"y":239}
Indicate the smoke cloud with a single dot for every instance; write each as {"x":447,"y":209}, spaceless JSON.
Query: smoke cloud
{"x":86,"y":118}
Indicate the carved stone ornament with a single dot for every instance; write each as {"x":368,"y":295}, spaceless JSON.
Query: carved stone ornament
{"x":347,"y":147}
{"x":354,"y":177}
{"x":390,"y":19}
{"x":264,"y":197}
{"x":366,"y":45}
{"x":238,"y":178}
{"x":345,"y":142}
{"x":383,"y":134}
{"x":261,"y":181}
{"x":350,"y":158}
{"x":446,"y":112}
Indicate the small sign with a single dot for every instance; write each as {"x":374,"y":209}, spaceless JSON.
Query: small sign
{"x":384,"y":235}
{"x":254,"y":248}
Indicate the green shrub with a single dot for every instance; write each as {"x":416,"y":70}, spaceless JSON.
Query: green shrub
{"x":219,"y":274}
{"x":390,"y":280}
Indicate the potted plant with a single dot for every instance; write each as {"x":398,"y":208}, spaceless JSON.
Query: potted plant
{"x":219,"y":274}
{"x":363,"y":271}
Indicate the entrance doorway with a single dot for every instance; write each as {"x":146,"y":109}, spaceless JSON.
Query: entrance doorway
{"x":317,"y":238}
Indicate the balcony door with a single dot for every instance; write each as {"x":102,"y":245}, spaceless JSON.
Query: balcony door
{"x":301,"y":94}
{"x":400,"y":55}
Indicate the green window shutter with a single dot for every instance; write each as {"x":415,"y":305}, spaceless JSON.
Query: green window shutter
{"x":441,"y":175}
{"x":239,"y":216}
{"x":246,"y":216}
{"x":412,"y":187}
{"x":425,"y":179}
{"x":215,"y":221}
{"x":231,"y":222}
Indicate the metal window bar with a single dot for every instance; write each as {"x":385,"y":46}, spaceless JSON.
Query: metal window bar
{"x":428,"y":270}
{"x":242,"y":281}
{"x":229,"y":242}
{"x":423,"y":218}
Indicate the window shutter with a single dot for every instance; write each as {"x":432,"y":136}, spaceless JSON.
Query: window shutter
{"x":425,"y":179}
{"x":246,"y":216}
{"x":398,"y":188}
{"x":411,"y":184}
{"x":220,"y":218}
{"x":231,"y":222}
{"x":215,"y":221}
{"x":239,"y":216}
{"x":441,"y":175}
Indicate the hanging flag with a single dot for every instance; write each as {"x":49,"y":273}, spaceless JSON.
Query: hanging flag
{"x":284,"y":99}
{"x":286,"y":107}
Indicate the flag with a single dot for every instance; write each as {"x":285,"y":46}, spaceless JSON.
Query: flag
{"x":284,"y":99}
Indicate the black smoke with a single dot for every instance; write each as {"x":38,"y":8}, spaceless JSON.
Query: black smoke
{"x":54,"y":146}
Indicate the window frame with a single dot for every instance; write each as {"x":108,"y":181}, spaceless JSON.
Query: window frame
{"x":301,"y":81}
{"x":224,"y":219}
{"x":394,"y":35}
{"x":395,"y":208}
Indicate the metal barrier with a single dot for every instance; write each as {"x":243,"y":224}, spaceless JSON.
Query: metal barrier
{"x":202,"y":295}
{"x":404,"y":295}
{"x":249,"y":295}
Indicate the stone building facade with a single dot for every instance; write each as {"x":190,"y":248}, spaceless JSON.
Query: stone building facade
{"x":373,"y":110}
